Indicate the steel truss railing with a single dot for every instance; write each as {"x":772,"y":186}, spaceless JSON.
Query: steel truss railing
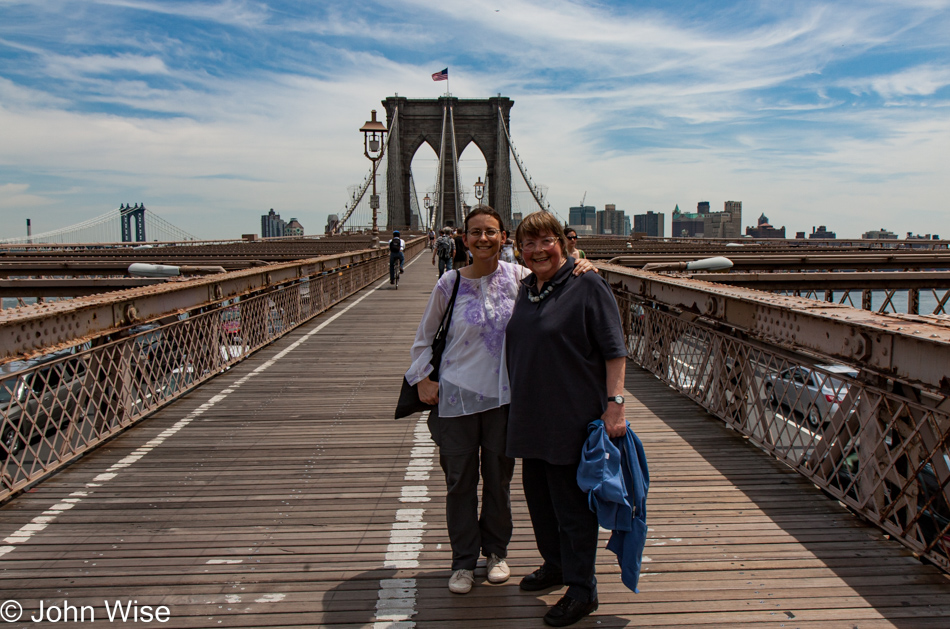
{"x":88,"y":382}
{"x":875,"y":437}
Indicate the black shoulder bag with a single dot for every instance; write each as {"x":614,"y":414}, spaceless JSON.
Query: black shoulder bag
{"x":409,"y":401}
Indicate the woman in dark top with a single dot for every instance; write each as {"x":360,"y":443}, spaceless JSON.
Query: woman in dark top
{"x":566,"y":363}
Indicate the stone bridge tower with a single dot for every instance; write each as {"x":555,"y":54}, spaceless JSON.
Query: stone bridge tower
{"x":421,"y":121}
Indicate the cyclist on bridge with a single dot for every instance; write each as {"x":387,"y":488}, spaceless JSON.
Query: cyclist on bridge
{"x":396,"y":248}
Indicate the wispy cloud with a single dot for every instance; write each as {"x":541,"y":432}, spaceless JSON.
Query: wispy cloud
{"x":232,"y":106}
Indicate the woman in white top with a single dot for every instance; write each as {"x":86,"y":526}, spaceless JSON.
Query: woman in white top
{"x":471,"y":420}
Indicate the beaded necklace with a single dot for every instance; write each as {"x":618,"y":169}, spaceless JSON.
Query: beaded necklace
{"x":540,"y":296}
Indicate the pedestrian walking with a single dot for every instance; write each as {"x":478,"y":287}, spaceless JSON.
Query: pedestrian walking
{"x":444,"y":251}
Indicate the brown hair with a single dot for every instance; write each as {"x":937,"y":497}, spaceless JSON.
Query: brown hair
{"x":538,"y":223}
{"x":487,"y":210}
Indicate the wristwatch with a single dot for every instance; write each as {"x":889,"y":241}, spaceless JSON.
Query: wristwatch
{"x":616,"y":398}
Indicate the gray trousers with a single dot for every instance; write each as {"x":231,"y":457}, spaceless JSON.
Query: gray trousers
{"x":467,"y":445}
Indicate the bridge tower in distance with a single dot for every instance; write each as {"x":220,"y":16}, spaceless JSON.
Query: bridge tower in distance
{"x":418,"y":121}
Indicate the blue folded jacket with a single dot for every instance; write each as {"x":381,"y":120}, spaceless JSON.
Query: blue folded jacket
{"x":614,"y":473}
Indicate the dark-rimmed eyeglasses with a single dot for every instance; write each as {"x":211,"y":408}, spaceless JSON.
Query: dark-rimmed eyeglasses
{"x":572,"y":237}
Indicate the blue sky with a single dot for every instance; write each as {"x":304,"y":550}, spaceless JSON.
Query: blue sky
{"x":212,"y":112}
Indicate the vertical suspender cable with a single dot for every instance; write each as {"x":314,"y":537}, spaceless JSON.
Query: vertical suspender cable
{"x":440,"y":191}
{"x":455,"y":170}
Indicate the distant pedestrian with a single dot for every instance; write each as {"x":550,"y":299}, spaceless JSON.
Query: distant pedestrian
{"x":572,"y":249}
{"x":431,"y":239}
{"x":507,"y":253}
{"x":444,"y":250}
{"x":461,"y":252}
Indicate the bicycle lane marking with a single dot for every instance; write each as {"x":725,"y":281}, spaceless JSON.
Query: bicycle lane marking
{"x":42,"y":521}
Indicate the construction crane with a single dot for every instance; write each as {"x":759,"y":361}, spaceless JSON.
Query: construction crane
{"x":583,"y":198}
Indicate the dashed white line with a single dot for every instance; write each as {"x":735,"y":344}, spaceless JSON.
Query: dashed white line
{"x":396,"y":602}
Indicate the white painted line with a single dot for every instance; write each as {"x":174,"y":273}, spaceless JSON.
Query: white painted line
{"x":396,"y":602}
{"x":40,"y":522}
{"x":270,"y":598}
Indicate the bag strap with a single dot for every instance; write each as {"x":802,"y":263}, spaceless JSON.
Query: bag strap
{"x":447,"y":315}
{"x":438,"y":343}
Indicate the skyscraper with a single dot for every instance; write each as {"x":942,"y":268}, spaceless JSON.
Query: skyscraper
{"x":584,"y":219}
{"x":272,"y":225}
{"x":611,"y":221}
{"x":650,"y":224}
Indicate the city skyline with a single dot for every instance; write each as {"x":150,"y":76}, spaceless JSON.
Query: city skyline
{"x":210,"y":113}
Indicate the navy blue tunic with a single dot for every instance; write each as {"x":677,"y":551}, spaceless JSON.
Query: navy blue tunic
{"x":557,"y":351}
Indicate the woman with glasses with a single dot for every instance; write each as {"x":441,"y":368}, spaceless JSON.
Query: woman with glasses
{"x":572,"y":249}
{"x":566,"y":360}
{"x":471,"y":420}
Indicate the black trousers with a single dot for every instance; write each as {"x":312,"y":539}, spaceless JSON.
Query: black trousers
{"x":565,"y":529}
{"x":467,"y":445}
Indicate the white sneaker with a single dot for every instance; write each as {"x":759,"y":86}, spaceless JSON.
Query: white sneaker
{"x":498,"y":571}
{"x":461,"y":581}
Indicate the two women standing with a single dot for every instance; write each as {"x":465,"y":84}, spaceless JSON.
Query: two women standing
{"x":565,"y":353}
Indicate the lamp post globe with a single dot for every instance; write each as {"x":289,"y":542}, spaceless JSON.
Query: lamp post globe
{"x":374,"y":133}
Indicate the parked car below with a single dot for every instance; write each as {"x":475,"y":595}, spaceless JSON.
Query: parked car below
{"x":815,"y":393}
{"x":37,"y":403}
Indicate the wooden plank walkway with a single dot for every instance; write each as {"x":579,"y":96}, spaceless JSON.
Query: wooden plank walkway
{"x":281,"y":494}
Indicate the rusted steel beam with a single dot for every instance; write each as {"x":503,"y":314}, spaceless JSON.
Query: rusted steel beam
{"x":71,"y":287}
{"x":854,"y":261}
{"x":879,"y":280}
{"x":911,"y":351}
{"x":47,"y":268}
{"x":42,"y":328}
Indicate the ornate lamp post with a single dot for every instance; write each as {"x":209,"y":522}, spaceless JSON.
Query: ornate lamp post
{"x":373,"y":134}
{"x":479,"y":190}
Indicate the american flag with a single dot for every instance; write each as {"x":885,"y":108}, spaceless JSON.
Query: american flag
{"x":441,"y":76}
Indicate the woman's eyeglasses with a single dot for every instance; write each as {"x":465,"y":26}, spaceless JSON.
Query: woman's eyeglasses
{"x":572,"y":237}
{"x":534,"y":245}
{"x":489,"y":233}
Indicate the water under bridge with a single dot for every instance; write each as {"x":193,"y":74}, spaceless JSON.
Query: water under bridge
{"x":223,"y":446}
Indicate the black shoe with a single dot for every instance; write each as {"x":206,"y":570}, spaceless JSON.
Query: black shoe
{"x":541,"y":579}
{"x":567,"y":611}
{"x":392,"y":281}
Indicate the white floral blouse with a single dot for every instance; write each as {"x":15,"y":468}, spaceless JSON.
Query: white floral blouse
{"x":473,"y":376}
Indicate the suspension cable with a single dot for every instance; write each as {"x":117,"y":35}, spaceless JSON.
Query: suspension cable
{"x":439,"y":189}
{"x":535,"y":191}
{"x":108,"y":220}
{"x":414,"y":199}
{"x":455,"y":168}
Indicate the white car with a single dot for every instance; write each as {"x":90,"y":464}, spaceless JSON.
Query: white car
{"x":815,"y":392}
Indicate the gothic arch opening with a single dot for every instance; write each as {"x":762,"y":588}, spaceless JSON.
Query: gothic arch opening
{"x":415,"y":122}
